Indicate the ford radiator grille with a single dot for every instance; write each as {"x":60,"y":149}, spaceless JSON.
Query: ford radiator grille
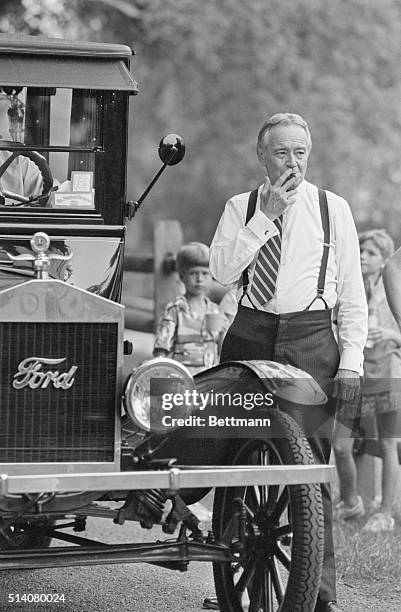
{"x":58,"y":392}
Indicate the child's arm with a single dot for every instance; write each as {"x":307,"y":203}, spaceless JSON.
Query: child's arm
{"x":165,"y":332}
{"x":391,"y":279}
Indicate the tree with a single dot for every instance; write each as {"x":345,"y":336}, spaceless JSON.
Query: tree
{"x":214,"y":71}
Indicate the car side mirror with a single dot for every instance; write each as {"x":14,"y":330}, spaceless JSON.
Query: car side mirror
{"x":171,"y":149}
{"x":171,"y":152}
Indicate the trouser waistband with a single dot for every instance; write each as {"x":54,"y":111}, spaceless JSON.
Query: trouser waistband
{"x":301,"y":315}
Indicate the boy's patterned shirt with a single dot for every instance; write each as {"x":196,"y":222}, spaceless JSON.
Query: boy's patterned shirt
{"x":183,"y":334}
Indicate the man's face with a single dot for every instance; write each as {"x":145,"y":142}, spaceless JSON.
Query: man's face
{"x":286,"y":146}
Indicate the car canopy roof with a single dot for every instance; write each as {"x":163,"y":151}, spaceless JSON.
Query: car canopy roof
{"x":51,"y":62}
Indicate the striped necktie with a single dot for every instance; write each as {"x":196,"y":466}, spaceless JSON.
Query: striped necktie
{"x":266,"y":267}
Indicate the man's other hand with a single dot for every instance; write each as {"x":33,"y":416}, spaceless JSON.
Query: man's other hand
{"x":346,"y":385}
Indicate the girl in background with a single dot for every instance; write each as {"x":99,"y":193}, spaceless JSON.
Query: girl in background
{"x":381,"y":391}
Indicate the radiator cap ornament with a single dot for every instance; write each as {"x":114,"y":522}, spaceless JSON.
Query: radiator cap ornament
{"x":40,"y":244}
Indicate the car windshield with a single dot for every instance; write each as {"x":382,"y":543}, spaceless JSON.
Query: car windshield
{"x":60,"y":132}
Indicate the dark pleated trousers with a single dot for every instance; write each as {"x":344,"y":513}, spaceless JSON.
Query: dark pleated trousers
{"x":305,"y":340}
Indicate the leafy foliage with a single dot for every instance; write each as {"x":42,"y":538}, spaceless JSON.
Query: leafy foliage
{"x":213,"y":71}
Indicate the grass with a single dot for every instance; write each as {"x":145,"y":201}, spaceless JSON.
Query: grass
{"x":372,"y":556}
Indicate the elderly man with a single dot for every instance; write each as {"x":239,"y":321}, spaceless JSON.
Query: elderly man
{"x":293,"y":251}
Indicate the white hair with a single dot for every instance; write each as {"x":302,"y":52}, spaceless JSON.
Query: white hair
{"x":280,"y":119}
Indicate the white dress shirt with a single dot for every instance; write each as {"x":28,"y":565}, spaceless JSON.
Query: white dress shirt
{"x":235,"y":246}
{"x":21,"y":177}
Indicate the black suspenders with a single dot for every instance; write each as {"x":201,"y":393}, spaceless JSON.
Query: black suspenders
{"x":250,"y":211}
{"x":324,"y":214}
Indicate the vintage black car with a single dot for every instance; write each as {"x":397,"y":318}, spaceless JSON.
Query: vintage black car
{"x":76,"y":440}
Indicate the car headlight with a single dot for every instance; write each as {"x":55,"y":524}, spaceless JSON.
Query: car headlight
{"x":148,"y":387}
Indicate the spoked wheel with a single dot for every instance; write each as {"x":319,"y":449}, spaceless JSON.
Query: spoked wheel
{"x":275,"y":532}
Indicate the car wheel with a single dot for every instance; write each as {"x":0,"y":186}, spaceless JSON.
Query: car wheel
{"x":274,"y":532}
{"x":24,"y":536}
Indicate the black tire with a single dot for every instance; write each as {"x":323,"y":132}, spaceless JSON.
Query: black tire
{"x":283,"y":534}
{"x":25,"y":536}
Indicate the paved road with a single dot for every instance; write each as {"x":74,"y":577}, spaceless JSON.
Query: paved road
{"x":146,"y":588}
{"x":109,"y":588}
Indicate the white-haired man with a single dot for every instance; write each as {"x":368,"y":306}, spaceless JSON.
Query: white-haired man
{"x":293,"y":250}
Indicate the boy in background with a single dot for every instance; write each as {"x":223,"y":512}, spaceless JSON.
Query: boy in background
{"x":190,"y":327}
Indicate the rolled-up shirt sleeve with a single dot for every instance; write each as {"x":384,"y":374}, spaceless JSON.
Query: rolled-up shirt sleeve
{"x":351,"y":307}
{"x":32,"y":178}
{"x":235,"y":243}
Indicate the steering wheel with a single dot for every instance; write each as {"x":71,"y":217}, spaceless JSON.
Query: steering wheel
{"x":43,"y":167}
